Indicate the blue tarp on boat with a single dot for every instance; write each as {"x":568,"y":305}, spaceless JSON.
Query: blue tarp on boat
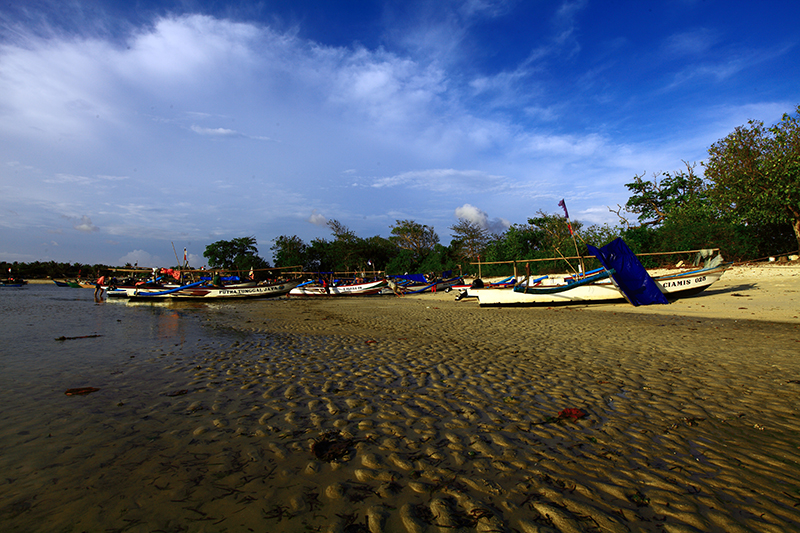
{"x":417,"y":278}
{"x":630,"y":276}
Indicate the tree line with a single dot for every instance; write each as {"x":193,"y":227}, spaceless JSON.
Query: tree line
{"x":52,"y":270}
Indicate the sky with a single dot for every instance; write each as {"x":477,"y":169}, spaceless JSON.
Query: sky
{"x":132,"y":130}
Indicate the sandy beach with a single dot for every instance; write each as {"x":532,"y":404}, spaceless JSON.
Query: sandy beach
{"x":423,"y":414}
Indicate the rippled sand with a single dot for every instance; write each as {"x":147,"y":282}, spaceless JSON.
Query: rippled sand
{"x":421,"y":414}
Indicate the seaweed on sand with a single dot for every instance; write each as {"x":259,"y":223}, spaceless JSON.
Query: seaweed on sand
{"x":331,"y":447}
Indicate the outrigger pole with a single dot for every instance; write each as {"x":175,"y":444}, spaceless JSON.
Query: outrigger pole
{"x":572,"y":234}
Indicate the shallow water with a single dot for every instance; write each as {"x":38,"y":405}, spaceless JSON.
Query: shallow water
{"x":108,"y":333}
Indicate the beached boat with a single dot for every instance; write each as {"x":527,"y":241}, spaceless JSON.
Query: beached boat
{"x":78,"y":284}
{"x":418,"y":283}
{"x":61,"y":283}
{"x":353,"y":289}
{"x":203,"y":290}
{"x":613,"y":283}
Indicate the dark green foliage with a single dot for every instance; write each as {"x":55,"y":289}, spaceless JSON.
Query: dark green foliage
{"x":469,"y":239}
{"x":418,"y":238}
{"x":655,"y":201}
{"x":403,"y":262}
{"x":756,"y":173}
{"x":52,"y":270}
{"x":289,"y":251}
{"x":239,"y":254}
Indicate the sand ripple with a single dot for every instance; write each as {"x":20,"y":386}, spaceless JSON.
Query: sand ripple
{"x":434,"y":420}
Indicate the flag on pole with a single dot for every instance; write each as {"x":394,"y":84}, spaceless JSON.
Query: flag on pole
{"x":563,"y":206}
{"x":184,"y":257}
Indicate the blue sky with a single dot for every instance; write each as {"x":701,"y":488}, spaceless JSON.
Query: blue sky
{"x":127,"y":127}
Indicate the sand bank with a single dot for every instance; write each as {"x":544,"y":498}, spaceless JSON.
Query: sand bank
{"x":422,"y":414}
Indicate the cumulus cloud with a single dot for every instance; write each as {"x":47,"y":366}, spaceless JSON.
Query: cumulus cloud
{"x":317,"y":219}
{"x":85,"y":225}
{"x":140,"y":258}
{"x":479,"y":217}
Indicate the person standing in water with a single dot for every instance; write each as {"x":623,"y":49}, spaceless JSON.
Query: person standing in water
{"x":98,"y":288}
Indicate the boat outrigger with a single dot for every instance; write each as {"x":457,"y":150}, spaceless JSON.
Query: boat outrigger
{"x":622,"y":278}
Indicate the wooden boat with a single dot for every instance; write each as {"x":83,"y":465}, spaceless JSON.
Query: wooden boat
{"x":61,"y":283}
{"x":354,"y":289}
{"x":415,"y":284}
{"x":600,"y":287}
{"x":13,"y":283}
{"x":203,"y":290}
{"x":78,"y":284}
{"x":127,"y":291}
{"x":478,"y":283}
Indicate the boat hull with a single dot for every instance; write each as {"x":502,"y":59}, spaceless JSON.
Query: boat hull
{"x":416,"y":288}
{"x":217,"y":293}
{"x":672,"y":286}
{"x":360,"y":289}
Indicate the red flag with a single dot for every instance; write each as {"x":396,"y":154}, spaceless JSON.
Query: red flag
{"x":563,"y":206}
{"x":566,"y":214}
{"x":184,"y":256}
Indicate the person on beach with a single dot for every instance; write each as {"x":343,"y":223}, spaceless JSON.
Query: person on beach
{"x":98,"y":288}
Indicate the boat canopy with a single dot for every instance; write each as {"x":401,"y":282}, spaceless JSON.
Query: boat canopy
{"x":418,"y":278}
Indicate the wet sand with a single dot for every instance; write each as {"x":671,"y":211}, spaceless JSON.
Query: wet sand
{"x":422,"y":414}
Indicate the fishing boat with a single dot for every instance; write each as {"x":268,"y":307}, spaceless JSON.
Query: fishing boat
{"x":61,"y":283}
{"x":78,"y":284}
{"x":127,"y":291}
{"x":203,"y":290}
{"x":419,"y":283}
{"x":622,"y":278}
{"x":315,"y":288}
{"x":13,"y":283}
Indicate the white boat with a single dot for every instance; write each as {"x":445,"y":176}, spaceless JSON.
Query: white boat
{"x":593,"y":289}
{"x":622,"y":278}
{"x":205,"y":291}
{"x":413,"y":285}
{"x":355,"y":289}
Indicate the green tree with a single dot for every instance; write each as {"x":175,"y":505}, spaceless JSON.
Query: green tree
{"x":755,"y":173}
{"x":469,"y":239}
{"x":289,"y":251}
{"x":418,"y":238}
{"x":237,"y":254}
{"x":344,"y":251}
{"x":654,"y":201}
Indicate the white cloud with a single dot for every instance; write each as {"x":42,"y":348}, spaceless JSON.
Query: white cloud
{"x":69,"y":179}
{"x":219,"y":132}
{"x":480,"y":218}
{"x":85,"y":225}
{"x":444,"y":180}
{"x":140,"y":258}
{"x":317,"y":219}
{"x":690,"y":43}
